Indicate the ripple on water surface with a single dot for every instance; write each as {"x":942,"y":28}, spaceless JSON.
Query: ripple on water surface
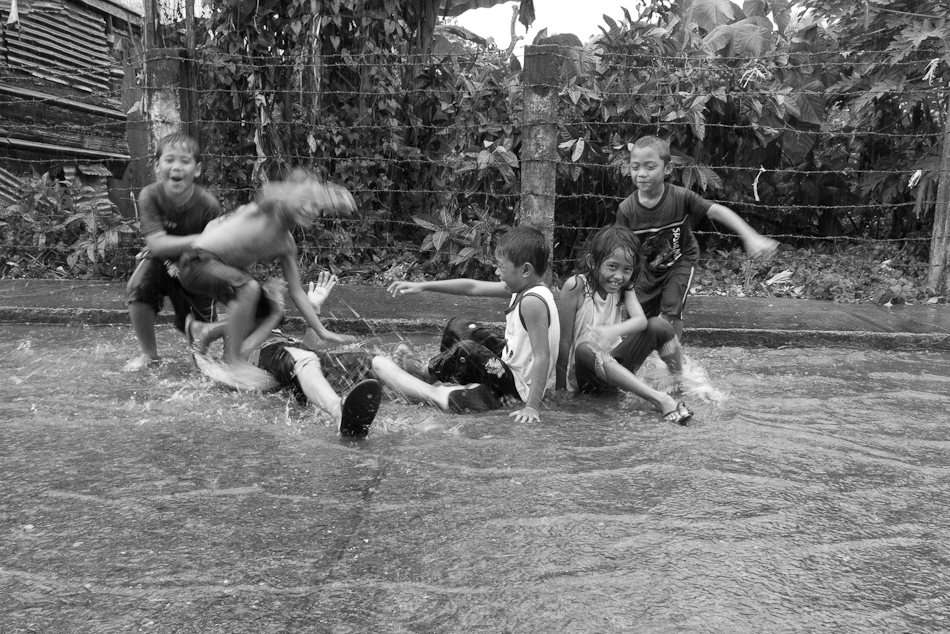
{"x":811,"y":494}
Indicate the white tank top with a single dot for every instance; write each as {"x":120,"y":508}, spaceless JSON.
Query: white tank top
{"x":594,"y":311}
{"x":517,"y":354}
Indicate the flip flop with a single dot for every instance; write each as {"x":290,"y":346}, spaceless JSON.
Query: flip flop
{"x":360,"y":407}
{"x":681,"y":415}
{"x":472,"y":398}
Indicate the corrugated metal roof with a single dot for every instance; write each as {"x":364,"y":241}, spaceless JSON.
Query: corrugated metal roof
{"x":62,"y":43}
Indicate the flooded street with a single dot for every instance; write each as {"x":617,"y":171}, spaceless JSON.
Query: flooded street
{"x":815,"y":496}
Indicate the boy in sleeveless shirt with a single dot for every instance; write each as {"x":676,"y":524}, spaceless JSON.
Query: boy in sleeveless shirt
{"x":479,"y":368}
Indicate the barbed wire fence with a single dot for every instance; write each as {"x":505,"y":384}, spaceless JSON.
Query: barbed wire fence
{"x":432,"y":145}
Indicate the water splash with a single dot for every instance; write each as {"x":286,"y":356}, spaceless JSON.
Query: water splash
{"x":694,"y":382}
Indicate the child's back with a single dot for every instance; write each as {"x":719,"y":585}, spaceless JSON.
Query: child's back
{"x":248,"y":236}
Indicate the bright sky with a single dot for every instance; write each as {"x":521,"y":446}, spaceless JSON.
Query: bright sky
{"x":580,"y":17}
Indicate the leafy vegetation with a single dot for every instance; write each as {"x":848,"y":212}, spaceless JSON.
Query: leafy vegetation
{"x":63,"y":229}
{"x":820,"y":122}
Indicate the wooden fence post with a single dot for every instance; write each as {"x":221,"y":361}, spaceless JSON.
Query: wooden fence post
{"x":939,"y":277}
{"x":542,"y":64}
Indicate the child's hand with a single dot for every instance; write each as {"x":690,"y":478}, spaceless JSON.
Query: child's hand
{"x":275,"y":289}
{"x":526,"y":415}
{"x":404,"y":288}
{"x":761,"y":247}
{"x":319,"y":293}
{"x":600,"y":337}
{"x":332,"y":337}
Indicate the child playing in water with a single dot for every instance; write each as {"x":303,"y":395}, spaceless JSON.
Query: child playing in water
{"x":312,"y":376}
{"x":662,"y":216}
{"x":216,"y":263}
{"x":174,"y":210}
{"x":483,"y":368}
{"x":605,"y":336}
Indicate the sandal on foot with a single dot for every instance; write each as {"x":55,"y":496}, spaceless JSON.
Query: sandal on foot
{"x":360,"y":407}
{"x":680,"y":415}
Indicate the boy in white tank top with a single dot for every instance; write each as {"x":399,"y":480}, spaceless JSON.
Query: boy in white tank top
{"x":479,"y":369}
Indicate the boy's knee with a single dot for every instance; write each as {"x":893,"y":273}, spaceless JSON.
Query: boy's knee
{"x":250,"y":290}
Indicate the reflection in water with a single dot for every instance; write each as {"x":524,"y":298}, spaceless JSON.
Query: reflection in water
{"x":811,"y":495}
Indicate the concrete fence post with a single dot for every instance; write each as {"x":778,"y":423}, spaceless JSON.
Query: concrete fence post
{"x":542,"y":64}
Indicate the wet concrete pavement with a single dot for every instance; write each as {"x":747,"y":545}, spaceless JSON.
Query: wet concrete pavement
{"x":710,"y":321}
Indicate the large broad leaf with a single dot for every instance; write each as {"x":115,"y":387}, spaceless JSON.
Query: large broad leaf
{"x":752,"y":37}
{"x":747,"y":38}
{"x":811,"y":102}
{"x":796,"y":144}
{"x":755,"y":8}
{"x":708,"y":14}
{"x":703,"y":175}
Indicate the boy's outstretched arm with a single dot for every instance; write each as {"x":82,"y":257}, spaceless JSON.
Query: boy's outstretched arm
{"x":288,"y":263}
{"x":535,"y":315}
{"x":458,"y":286}
{"x":756,"y":245}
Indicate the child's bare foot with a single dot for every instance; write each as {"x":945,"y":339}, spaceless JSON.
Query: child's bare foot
{"x":199,"y":334}
{"x":141,"y":362}
{"x":410,"y":361}
{"x":240,"y":375}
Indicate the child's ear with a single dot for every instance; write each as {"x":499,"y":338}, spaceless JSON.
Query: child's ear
{"x":197,"y":170}
{"x":527,"y":269}
{"x":590,"y":262}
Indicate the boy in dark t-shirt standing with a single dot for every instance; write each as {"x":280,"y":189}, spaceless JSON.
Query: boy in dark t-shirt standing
{"x":663,"y":217}
{"x":174,"y":211}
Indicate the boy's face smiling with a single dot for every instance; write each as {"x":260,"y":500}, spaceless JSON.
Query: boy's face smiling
{"x":510,"y":274}
{"x":176,"y":171}
{"x":648,"y":171}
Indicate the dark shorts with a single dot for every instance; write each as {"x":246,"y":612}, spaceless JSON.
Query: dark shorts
{"x":630,"y":353}
{"x":666,"y":294}
{"x":151,"y":282}
{"x":342,"y":370}
{"x":472,"y":354}
{"x":204,"y":273}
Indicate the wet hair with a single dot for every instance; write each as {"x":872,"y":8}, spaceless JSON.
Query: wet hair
{"x":178,"y":139}
{"x":524,"y":245}
{"x":661,"y":146}
{"x":303,"y":198}
{"x":601,"y":246}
